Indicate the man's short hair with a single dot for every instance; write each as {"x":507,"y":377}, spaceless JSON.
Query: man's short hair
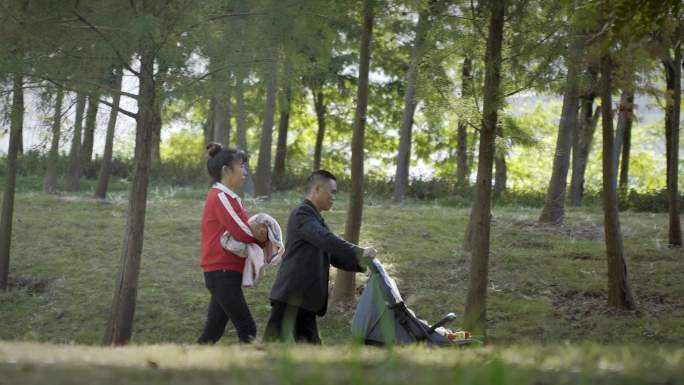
{"x":317,"y":177}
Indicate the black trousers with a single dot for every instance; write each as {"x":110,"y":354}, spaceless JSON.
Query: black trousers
{"x":291,"y":323}
{"x":227,"y":303}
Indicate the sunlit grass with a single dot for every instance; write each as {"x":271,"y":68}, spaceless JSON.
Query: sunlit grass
{"x":32,"y":363}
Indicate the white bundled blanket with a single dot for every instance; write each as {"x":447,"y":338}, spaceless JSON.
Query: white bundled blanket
{"x":257,"y":257}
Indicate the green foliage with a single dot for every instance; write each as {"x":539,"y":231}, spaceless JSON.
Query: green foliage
{"x":655,"y":201}
{"x":184,"y":149}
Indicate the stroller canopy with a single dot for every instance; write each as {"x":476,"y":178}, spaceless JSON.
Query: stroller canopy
{"x":382,"y":318}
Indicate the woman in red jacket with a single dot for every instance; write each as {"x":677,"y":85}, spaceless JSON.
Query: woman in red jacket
{"x":222,"y":269}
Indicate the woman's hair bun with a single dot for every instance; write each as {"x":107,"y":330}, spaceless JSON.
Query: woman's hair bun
{"x":213,"y":149}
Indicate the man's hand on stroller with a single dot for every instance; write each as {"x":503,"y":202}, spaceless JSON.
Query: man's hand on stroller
{"x":370,"y":252}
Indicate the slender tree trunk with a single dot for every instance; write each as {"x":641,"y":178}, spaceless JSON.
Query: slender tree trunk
{"x":16,"y":128}
{"x":155,"y":150}
{"x":50,"y":180}
{"x":89,"y":128}
{"x":106,"y":167}
{"x":241,"y":113}
{"x":673,"y":80}
{"x":73,"y":176}
{"x":462,"y":170}
{"x":626,"y":147}
{"x":475,"y":318}
{"x":624,"y":119}
{"x":120,"y":325}
{"x":405,"y":133}
{"x":501,"y":174}
{"x":554,"y":205}
{"x":263,"y":180}
{"x":20,"y":142}
{"x":461,"y":157}
{"x":319,"y":104}
{"x":229,"y":114}
{"x":624,"y":135}
{"x":222,"y":119}
{"x":241,"y":135}
{"x":281,"y":147}
{"x":345,"y":282}
{"x":582,"y":140}
{"x":208,"y":128}
{"x":619,"y":292}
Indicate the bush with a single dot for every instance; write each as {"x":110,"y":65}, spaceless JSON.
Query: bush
{"x":184,"y":166}
{"x":649,"y":201}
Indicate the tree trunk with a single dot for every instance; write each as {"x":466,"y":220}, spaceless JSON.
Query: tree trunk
{"x":120,"y":325}
{"x":462,"y":170}
{"x":106,"y":167}
{"x":241,"y":136}
{"x":319,"y":104}
{"x":50,"y":180}
{"x":262,"y":181}
{"x":229,"y":116}
{"x":405,"y":132}
{"x":20,"y":142}
{"x":582,"y":140}
{"x":345,"y":281}
{"x":208,"y":128}
{"x":673,"y":79}
{"x":619,"y":292}
{"x":475,"y":318}
{"x":73,"y":176}
{"x":221,"y":119}
{"x":500,"y":176}
{"x":626,"y":147}
{"x":554,"y":205}
{"x":623,"y":136}
{"x":155,"y":150}
{"x":89,"y":128}
{"x":281,"y":147}
{"x":16,"y":128}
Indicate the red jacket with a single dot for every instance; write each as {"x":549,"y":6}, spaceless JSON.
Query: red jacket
{"x":223,"y":211}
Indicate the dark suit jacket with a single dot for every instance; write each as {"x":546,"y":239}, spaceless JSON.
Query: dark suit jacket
{"x":310,"y":249}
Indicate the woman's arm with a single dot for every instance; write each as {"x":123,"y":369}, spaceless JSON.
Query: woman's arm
{"x":227,"y":212}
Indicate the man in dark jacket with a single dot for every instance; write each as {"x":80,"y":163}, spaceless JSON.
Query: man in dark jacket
{"x":300,"y":290}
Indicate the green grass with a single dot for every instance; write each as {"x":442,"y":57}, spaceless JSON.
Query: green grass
{"x":30,"y":363}
{"x":547,"y":285}
{"x":547,"y":289}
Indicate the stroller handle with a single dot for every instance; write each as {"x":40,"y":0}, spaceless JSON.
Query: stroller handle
{"x":447,"y":318}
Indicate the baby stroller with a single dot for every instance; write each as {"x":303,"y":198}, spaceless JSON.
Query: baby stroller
{"x":382,"y":318}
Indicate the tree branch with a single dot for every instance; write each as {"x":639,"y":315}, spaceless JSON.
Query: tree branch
{"x":476,"y":128}
{"x":536,"y":45}
{"x":476,"y":25}
{"x":226,"y":15}
{"x":217,"y":70}
{"x":591,"y":39}
{"x":123,"y":60}
{"x":125,"y":112}
{"x":62,"y":83}
{"x":534,"y":76}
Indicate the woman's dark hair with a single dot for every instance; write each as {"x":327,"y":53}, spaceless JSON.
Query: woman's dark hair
{"x":219,"y":157}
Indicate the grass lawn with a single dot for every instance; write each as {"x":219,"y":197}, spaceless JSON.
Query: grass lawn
{"x":546,"y":297}
{"x":31,"y":363}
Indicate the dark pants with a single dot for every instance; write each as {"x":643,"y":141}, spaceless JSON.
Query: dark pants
{"x":227,"y":303}
{"x":291,"y":323}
